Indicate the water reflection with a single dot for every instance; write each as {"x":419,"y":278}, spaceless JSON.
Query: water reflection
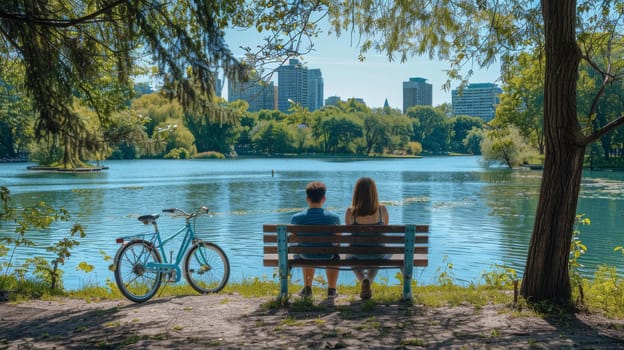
{"x":478,"y":217}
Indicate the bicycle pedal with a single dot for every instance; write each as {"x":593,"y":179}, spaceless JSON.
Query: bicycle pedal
{"x":171,"y":276}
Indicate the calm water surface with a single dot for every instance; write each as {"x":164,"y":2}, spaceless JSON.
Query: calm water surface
{"x":478,"y":217}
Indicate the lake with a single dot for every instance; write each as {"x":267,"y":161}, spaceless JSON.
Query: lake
{"x":477,"y":216}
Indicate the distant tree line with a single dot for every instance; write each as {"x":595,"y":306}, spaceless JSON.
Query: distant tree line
{"x":154,"y":126}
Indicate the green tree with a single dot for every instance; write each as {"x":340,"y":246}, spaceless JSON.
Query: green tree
{"x":247,"y":124}
{"x":266,"y":114}
{"x":16,"y":114}
{"x":385,"y":130}
{"x":157,"y":109}
{"x":460,"y":126}
{"x":337,"y":133}
{"x":352,"y":106}
{"x":522,"y":100}
{"x":302,"y":138}
{"x":217,"y":128}
{"x":181,"y":140}
{"x":506,"y":145}
{"x":126,"y":135}
{"x":400,"y":131}
{"x":611,"y":105}
{"x":273,"y":137}
{"x":446,"y":109}
{"x":430,"y":127}
{"x":376,"y":132}
{"x":473,"y":140}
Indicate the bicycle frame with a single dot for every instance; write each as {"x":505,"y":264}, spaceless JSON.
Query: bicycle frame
{"x":166,"y":265}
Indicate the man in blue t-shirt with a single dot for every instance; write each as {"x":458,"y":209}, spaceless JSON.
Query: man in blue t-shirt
{"x":316,"y":215}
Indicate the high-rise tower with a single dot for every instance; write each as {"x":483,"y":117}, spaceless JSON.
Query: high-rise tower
{"x":315,"y":89}
{"x":416,"y":92}
{"x":292,"y":85}
{"x":299,"y":84}
{"x":476,"y":100}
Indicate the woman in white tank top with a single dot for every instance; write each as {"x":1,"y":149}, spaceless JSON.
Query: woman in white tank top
{"x":366,"y":210}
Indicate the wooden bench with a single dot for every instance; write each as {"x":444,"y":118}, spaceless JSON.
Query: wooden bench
{"x":407,"y":245}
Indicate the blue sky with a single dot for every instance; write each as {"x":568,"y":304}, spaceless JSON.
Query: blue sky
{"x":375,"y":79}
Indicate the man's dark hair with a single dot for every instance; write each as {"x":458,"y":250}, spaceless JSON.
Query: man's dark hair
{"x":316,"y":191}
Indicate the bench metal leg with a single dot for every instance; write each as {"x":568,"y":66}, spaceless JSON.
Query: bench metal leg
{"x":282,"y":251}
{"x":408,"y":262}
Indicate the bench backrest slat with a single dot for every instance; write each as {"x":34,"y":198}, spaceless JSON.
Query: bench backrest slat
{"x":344,"y":228}
{"x":346,"y":250}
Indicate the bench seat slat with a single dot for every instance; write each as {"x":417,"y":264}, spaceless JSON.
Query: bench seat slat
{"x":399,"y":239}
{"x":396,"y":260}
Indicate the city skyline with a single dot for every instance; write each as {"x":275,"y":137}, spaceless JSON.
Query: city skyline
{"x":372,"y":80}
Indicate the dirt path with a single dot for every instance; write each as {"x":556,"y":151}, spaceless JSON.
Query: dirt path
{"x":234,"y":322}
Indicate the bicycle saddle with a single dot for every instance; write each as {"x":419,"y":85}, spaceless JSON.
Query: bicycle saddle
{"x":148,"y":219}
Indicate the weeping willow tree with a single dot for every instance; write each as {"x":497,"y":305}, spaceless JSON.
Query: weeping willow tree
{"x":89,"y":50}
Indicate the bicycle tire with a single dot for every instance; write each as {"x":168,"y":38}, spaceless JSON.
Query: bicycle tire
{"x":206,"y":268}
{"x":133,"y":280}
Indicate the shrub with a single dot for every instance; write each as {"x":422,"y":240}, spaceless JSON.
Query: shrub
{"x":179,"y":153}
{"x":414,"y":148}
{"x":44,"y":270}
{"x":210,"y":155}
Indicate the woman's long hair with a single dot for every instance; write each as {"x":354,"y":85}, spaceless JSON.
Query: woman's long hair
{"x":365,"y":200}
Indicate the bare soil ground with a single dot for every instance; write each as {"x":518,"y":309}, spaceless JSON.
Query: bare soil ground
{"x":230,"y":321}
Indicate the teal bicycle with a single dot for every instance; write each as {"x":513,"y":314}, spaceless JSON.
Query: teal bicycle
{"x":141,"y":264}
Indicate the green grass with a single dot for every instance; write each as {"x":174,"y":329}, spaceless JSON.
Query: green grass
{"x":604,"y":294}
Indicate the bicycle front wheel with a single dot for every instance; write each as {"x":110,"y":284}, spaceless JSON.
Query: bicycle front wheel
{"x":206,"y":268}
{"x":134,"y":280}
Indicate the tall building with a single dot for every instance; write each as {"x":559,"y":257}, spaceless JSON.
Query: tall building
{"x":292,"y":85}
{"x":259,"y":95}
{"x":315,"y":89}
{"x":298,"y":84}
{"x":417,"y":92}
{"x":476,"y":100}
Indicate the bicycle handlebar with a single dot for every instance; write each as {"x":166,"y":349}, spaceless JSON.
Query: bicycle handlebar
{"x":180,"y":212}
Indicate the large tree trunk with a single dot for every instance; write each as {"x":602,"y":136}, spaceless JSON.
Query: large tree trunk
{"x":546,"y":272}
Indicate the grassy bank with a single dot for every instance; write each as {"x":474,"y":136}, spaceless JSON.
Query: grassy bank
{"x":604,"y":295}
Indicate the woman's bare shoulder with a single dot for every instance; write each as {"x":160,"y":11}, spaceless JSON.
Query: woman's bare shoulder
{"x":348,"y":216}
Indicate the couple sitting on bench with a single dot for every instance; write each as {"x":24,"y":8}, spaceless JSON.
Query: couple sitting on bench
{"x":364,"y":210}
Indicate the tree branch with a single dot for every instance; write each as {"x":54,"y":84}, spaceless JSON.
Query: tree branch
{"x":604,"y":130}
{"x":607,"y":77}
{"x":58,"y":23}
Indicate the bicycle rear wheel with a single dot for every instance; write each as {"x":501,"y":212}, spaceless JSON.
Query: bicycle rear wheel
{"x":206,"y":268}
{"x":134,"y":281}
